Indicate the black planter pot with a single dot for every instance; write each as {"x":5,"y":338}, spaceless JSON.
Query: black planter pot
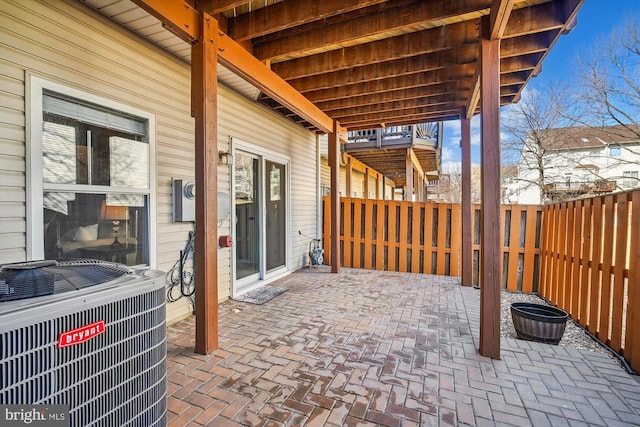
{"x":538,"y":322}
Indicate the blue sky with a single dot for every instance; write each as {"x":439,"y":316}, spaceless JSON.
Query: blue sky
{"x":596,"y":20}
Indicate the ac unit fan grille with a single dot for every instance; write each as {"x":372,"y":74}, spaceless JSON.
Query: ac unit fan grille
{"x":101,"y":379}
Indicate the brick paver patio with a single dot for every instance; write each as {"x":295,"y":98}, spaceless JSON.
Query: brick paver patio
{"x":364,"y":348}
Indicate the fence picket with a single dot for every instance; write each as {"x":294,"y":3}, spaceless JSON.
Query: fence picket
{"x":620,"y":260}
{"x":583,"y":316}
{"x":632,"y":332}
{"x":604,"y":332}
{"x":588,"y":256}
{"x":574,"y":298}
{"x":594,"y":265}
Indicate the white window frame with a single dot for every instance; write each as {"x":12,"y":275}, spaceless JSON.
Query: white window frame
{"x":630,"y":179}
{"x":34,"y":163}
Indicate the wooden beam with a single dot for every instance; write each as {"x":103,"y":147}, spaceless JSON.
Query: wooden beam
{"x":435,"y":94}
{"x":527,"y":20}
{"x":204,"y":105}
{"x":334,"y":164}
{"x":392,"y":118}
{"x":520,"y":63}
{"x":432,"y":72}
{"x":355,"y":109}
{"x":177,"y":16}
{"x":498,"y":17}
{"x":490,"y":165}
{"x":241,"y":62}
{"x":182,"y":19}
{"x":528,"y":43}
{"x":280,"y":16}
{"x":515,"y":77}
{"x":390,"y":87}
{"x":474,"y":94}
{"x":364,"y":113}
{"x":407,"y":120}
{"x":407,"y":45}
{"x":218,"y":6}
{"x":401,"y":53}
{"x":467,"y":214}
{"x":362,"y":28}
{"x":416,"y":162}
{"x":544,"y":17}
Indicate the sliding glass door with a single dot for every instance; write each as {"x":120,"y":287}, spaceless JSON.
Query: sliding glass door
{"x":247,"y":207}
{"x":275,"y":215}
{"x":260,"y":184}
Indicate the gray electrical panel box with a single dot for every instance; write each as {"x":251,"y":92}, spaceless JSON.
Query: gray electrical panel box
{"x":184,"y":200}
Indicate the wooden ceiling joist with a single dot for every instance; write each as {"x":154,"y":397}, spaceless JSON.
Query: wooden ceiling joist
{"x":347,"y":106}
{"x":403,"y":46}
{"x":442,"y":102}
{"x":363,"y":28}
{"x":381,"y":71}
{"x":382,"y":87}
{"x":345,"y":58}
{"x":283,"y":15}
{"x":217,"y":6}
{"x":392,"y":117}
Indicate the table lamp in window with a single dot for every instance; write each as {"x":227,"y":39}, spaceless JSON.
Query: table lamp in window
{"x":114,"y":214}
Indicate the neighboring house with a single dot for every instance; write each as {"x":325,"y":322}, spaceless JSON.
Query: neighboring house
{"x":79,"y":95}
{"x":577,"y":162}
{"x":508,"y":176}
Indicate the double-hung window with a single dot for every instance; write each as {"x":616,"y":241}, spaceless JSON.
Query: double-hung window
{"x":91,"y":181}
{"x":630,"y":179}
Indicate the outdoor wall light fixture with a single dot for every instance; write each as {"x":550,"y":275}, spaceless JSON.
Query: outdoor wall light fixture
{"x":224,"y":157}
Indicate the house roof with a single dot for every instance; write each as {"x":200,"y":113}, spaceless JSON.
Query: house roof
{"x":582,"y":137}
{"x":509,"y":171}
{"x":372,"y":63}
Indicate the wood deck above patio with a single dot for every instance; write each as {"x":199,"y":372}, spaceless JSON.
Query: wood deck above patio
{"x":342,"y":65}
{"x":367,"y":63}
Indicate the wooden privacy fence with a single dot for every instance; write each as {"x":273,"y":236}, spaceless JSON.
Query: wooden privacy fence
{"x":426,"y":238}
{"x":591,"y":267}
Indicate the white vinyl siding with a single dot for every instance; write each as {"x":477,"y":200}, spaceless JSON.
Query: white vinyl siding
{"x":254,"y":124}
{"x":12,"y":169}
{"x":67,"y":43}
{"x":357,"y":184}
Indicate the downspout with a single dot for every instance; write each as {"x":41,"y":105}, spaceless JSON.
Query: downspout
{"x":318,"y":190}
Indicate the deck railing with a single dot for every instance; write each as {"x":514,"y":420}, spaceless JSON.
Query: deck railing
{"x":426,"y":238}
{"x":591,"y":267}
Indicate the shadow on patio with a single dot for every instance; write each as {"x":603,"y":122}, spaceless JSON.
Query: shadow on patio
{"x":378,"y":348}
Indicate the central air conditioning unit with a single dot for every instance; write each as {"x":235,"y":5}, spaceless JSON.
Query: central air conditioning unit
{"x":95,"y":340}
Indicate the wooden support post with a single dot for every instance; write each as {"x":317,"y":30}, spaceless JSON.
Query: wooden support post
{"x":204,"y":98}
{"x":408,"y":189}
{"x":467,"y":238}
{"x":378,"y":183}
{"x":366,"y":183}
{"x":490,"y":166}
{"x":334,"y":163}
{"x":349,"y":176}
